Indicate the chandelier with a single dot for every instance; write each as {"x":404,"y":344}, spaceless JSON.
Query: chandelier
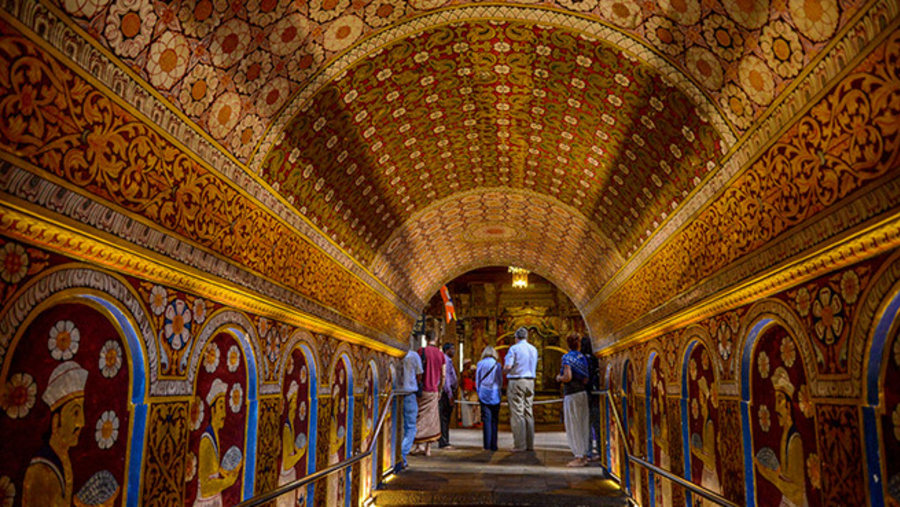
{"x":519,"y":277}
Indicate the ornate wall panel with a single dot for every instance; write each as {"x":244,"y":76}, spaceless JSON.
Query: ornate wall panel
{"x":163,"y":479}
{"x":847,"y":140}
{"x":63,"y":125}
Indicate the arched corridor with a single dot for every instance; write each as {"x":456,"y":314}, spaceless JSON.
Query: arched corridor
{"x":221,"y":221}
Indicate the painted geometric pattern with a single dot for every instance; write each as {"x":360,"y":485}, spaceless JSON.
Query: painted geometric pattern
{"x":230,"y":66}
{"x":845,"y":141}
{"x":493,"y":104}
{"x":497,"y":227}
{"x":61,"y":124}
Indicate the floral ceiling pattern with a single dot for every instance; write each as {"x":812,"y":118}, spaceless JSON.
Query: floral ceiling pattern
{"x":392,"y":126}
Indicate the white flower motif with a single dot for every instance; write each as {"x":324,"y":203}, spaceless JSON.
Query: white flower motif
{"x":110,"y":358}
{"x":64,"y":339}
{"x":13,"y":263}
{"x":303,"y":371}
{"x":178,"y":324}
{"x":234,"y":358}
{"x":199,"y":310}
{"x":302,"y":410}
{"x":191,"y":470}
{"x":236,"y":397}
{"x":19,"y":395}
{"x":107,"y":429}
{"x":196,"y":414}
{"x":158,"y":299}
{"x":211,"y":358}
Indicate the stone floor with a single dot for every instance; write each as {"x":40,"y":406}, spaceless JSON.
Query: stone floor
{"x":469,"y":475}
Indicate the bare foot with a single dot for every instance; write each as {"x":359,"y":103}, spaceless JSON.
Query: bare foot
{"x":577,"y":462}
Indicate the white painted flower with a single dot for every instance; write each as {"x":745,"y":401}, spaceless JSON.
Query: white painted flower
{"x":196,"y":413}
{"x":158,"y":299}
{"x":421,"y":57}
{"x":303,"y":372}
{"x":178,"y":324}
{"x":110,"y":358}
{"x":19,"y":395}
{"x":236,"y":397}
{"x":502,"y":47}
{"x":234,"y":358}
{"x":64,"y":339}
{"x":107,"y":429}
{"x":199,"y":310}
{"x":542,"y":50}
{"x":583,"y":61}
{"x":211,"y":358}
{"x":191,"y":469}
{"x":13,"y":263}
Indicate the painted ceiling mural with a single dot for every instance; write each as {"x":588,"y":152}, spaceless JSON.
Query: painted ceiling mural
{"x":493,"y":104}
{"x":426,"y":137}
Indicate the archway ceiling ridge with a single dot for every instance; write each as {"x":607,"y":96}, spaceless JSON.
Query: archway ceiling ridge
{"x":577,"y":23}
{"x":490,"y":226}
{"x":515,"y":106}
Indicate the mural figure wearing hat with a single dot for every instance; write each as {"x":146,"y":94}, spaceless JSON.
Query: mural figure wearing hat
{"x":291,"y":450}
{"x":213,"y":478}
{"x":705,"y":448}
{"x":48,"y":479}
{"x":788,"y":474}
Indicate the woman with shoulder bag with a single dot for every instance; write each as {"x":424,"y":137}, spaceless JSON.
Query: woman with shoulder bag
{"x":488,"y":380}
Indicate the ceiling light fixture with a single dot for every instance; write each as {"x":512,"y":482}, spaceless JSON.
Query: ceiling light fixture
{"x":520,"y":277}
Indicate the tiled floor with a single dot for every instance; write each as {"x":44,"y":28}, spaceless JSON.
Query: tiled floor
{"x":469,"y":475}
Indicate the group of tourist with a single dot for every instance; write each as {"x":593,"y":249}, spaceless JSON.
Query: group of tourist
{"x":429,"y":383}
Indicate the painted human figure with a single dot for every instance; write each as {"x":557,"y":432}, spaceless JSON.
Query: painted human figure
{"x":706,"y":452}
{"x":663,"y":485}
{"x":49,"y":479}
{"x":212,"y":478}
{"x":788,"y":476}
{"x":291,"y":454}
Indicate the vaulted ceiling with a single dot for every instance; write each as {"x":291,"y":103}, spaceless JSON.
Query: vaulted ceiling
{"x":429,"y":137}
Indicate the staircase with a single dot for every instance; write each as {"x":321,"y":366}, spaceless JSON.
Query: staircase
{"x":472,"y":476}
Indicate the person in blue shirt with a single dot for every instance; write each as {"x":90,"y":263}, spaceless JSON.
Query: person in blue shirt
{"x":520,"y":366}
{"x":488,"y":379}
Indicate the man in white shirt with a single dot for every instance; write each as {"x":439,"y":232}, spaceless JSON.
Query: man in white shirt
{"x":410,"y":376}
{"x":520,"y":366}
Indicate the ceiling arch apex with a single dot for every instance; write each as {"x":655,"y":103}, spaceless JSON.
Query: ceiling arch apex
{"x":589,"y":28}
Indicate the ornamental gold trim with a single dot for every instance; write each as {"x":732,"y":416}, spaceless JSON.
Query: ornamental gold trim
{"x":129,"y":260}
{"x":867,"y":242}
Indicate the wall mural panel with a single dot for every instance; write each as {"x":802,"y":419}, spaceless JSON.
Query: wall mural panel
{"x":890,"y":418}
{"x":218,"y":425}
{"x":804,"y":391}
{"x":786,"y":461}
{"x":88,"y":322}
{"x":66,"y":377}
{"x":295,"y":424}
{"x":701,"y":412}
{"x":338,"y":430}
{"x":659,"y":433}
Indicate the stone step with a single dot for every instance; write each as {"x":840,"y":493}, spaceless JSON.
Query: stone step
{"x":471,"y":476}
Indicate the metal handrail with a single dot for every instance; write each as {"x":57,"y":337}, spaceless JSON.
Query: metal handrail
{"x":700,"y":490}
{"x":315,"y":476}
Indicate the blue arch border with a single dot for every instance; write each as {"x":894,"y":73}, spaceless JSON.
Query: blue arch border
{"x":869,"y":409}
{"x":138,"y":398}
{"x":251,"y":439}
{"x":313,"y":418}
{"x":625,"y":387}
{"x":648,"y":415}
{"x":348,"y":437}
{"x":685,"y":423}
{"x":746,"y":358}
